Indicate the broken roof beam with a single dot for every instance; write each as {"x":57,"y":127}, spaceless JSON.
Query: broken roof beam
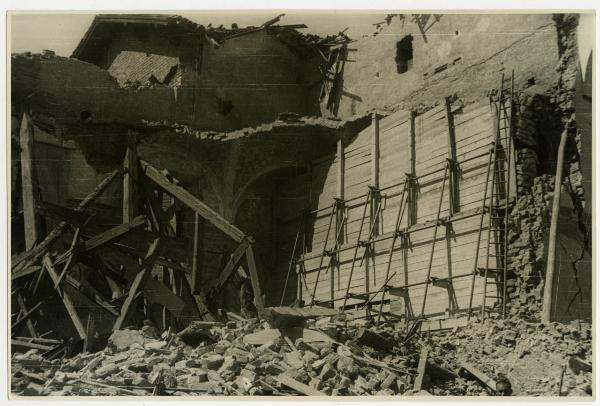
{"x":31,"y":256}
{"x":192,"y":202}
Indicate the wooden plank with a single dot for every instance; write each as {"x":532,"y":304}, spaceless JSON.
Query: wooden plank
{"x":113,"y":234}
{"x":231,"y":266}
{"x":26,"y":316}
{"x":421,"y":368}
{"x":65,"y":298}
{"x":28,"y":182}
{"x":192,"y":201}
{"x":31,"y":256}
{"x":258,"y":298}
{"x":28,"y":344}
{"x":137,"y":284}
{"x":89,"y":333}
{"x":157,"y":292}
{"x":73,"y":254}
{"x":130,"y":180}
{"x":486,"y":380}
{"x":23,"y":307}
{"x":71,"y":216}
{"x":298,"y":386}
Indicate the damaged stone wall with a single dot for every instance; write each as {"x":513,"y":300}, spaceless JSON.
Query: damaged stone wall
{"x":448,"y":51}
{"x":541,"y":120}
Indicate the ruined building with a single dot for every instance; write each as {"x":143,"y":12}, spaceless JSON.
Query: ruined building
{"x":407,"y":174}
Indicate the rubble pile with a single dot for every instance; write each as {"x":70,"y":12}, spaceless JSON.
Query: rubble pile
{"x":329,"y":356}
{"x":535,"y":359}
{"x":326,"y":357}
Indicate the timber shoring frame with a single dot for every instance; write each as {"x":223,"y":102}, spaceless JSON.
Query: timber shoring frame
{"x":451,"y":171}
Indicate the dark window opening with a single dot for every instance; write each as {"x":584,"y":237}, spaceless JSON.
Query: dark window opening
{"x":225,"y":107}
{"x":404,"y":54}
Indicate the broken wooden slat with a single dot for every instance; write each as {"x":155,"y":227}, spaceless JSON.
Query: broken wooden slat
{"x":232,"y":264}
{"x":130,"y":180}
{"x":298,"y":386}
{"x":25,"y":317}
{"x":482,"y":377}
{"x":137,"y":283}
{"x":114,"y":233}
{"x":422,"y":367}
{"x":28,"y":194}
{"x":71,"y":216}
{"x":65,"y":298}
{"x":192,"y":201}
{"x":25,"y":271}
{"x":156,"y":292}
{"x":70,"y":259}
{"x":258,"y":298}
{"x":89,"y":333}
{"x":31,"y":256}
{"x":27,"y":344}
{"x":23,"y":307}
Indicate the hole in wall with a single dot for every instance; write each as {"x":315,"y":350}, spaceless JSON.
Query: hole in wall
{"x":404,"y":54}
{"x":85,"y":115}
{"x":225,"y":107}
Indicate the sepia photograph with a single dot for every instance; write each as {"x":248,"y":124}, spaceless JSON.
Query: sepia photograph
{"x":300,"y":203}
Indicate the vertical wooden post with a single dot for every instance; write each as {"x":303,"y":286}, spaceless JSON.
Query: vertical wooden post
{"x":549,"y":280}
{"x":453,"y":197}
{"x":412,"y":191}
{"x":375,"y":151}
{"x":130,"y":180}
{"x":340,"y":169}
{"x":375,"y":195}
{"x":27,"y":182}
{"x":195,"y":252}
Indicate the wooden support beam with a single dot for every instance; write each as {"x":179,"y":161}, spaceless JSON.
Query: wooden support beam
{"x":421,"y":369}
{"x":192,"y":202}
{"x":552,"y":236}
{"x":130,"y":180}
{"x":258,"y":298}
{"x":113,"y":234}
{"x":28,"y":177}
{"x":375,"y":151}
{"x":27,"y":344}
{"x":89,"y":334}
{"x":195,"y":254}
{"x":340,"y":168}
{"x":482,"y":377}
{"x":453,"y":178}
{"x":65,"y":298}
{"x":31,"y":256}
{"x":25,"y":311}
{"x":412,"y":186}
{"x":137,"y":284}
{"x":232,"y":264}
{"x":26,"y":316}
